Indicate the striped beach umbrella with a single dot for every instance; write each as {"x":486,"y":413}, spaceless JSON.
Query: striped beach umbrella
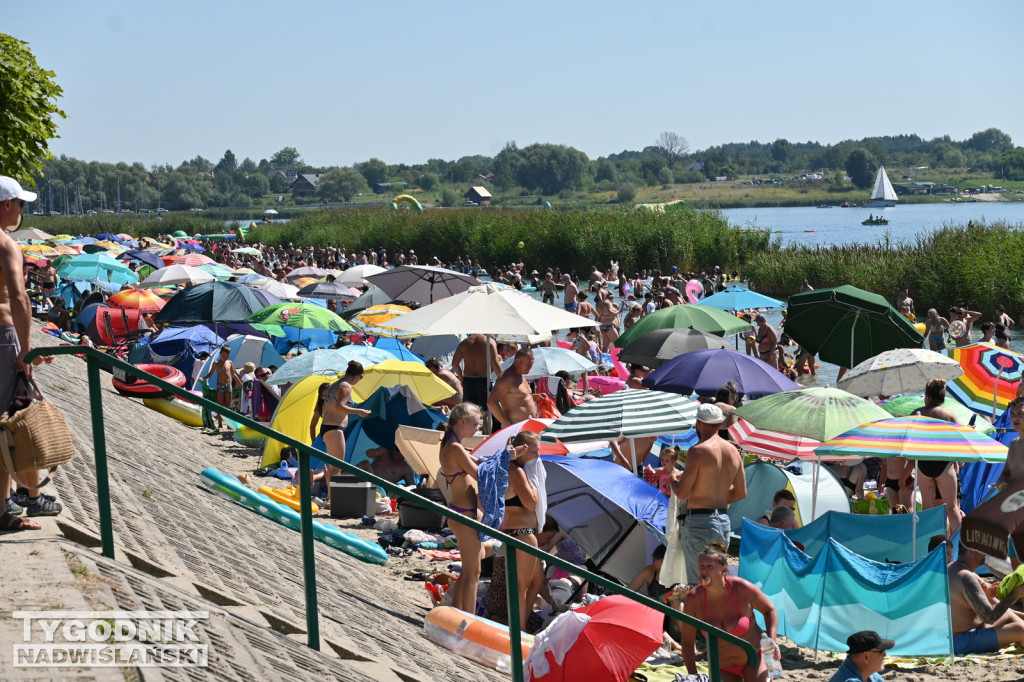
{"x":633,"y":413}
{"x":820,"y":413}
{"x":775,"y":444}
{"x":904,"y":405}
{"x":145,"y":300}
{"x":990,"y":377}
{"x":916,"y":438}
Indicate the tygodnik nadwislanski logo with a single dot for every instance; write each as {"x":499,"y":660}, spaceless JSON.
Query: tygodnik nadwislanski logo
{"x":102,"y":639}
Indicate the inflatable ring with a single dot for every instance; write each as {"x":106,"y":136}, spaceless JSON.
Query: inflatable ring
{"x":140,"y":388}
{"x":957,"y":328}
{"x":474,"y":637}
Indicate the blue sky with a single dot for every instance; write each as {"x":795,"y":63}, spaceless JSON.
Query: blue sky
{"x":161,"y":82}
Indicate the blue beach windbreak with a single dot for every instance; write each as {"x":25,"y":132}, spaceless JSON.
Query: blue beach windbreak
{"x":822,"y":599}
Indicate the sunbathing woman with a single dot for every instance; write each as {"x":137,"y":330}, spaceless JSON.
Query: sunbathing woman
{"x":458,"y":467}
{"x":727,"y":603}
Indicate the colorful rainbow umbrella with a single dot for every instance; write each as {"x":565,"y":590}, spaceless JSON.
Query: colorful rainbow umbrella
{"x":145,"y":300}
{"x":916,"y":438}
{"x":990,"y":377}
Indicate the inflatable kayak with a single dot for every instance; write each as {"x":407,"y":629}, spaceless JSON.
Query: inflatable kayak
{"x":249,"y":437}
{"x":289,"y":497}
{"x":135,"y":387}
{"x":188,"y":414}
{"x":232,"y":489}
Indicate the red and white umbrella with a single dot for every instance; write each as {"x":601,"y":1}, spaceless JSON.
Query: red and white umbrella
{"x":497,"y":441}
{"x":784,"y":446}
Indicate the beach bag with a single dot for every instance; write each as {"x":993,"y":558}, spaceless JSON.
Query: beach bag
{"x":33,"y":432}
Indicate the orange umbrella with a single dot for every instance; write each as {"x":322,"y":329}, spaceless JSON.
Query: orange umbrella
{"x":144,"y":299}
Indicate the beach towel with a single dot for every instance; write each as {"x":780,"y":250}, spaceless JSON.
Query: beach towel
{"x":557,"y":638}
{"x":492,"y":484}
{"x":538,"y":477}
{"x":673,"y":566}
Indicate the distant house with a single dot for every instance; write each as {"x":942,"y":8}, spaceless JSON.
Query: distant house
{"x":287,"y":175}
{"x":304,"y":185}
{"x":489,"y":177}
{"x":388,"y":187}
{"x":480,"y":195}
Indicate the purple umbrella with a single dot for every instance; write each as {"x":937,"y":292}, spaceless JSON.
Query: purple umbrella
{"x":705,"y":371}
{"x":265,"y":297}
{"x":146,"y":257}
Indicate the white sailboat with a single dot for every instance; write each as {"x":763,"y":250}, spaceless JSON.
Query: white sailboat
{"x":883,"y":195}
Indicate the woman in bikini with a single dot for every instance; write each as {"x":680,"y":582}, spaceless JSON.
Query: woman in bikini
{"x":457,"y":468}
{"x":335,"y":412}
{"x":938,"y":475}
{"x":521,"y":517}
{"x":936,"y":328}
{"x":767,"y":341}
{"x":1002,"y":327}
{"x":728,"y":603}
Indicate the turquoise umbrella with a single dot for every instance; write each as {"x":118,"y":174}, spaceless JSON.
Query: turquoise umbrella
{"x":327,"y":362}
{"x":97,"y":267}
{"x":740,"y":299}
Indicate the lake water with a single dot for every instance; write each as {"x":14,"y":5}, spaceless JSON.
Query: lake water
{"x":813,"y":226}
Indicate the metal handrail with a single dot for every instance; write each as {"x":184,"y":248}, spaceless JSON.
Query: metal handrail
{"x":94,"y":358}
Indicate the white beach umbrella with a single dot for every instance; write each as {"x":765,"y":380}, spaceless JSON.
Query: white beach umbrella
{"x":285,"y":292}
{"x":177,"y":274}
{"x":356,"y":276}
{"x":902,"y":370}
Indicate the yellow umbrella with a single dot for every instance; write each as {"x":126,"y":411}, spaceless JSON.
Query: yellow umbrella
{"x":374,"y":320}
{"x":40,"y":251}
{"x":427,"y":387}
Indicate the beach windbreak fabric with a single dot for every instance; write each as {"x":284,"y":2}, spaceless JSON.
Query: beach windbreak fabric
{"x":821,"y":599}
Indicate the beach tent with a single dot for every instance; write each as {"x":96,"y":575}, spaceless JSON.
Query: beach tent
{"x":108,"y":323}
{"x":764,"y":479}
{"x":292,"y":416}
{"x":422,"y":449}
{"x":254,"y":349}
{"x":821,"y":599}
{"x":617,"y":518}
{"x":389,"y":409}
{"x":181,"y":346}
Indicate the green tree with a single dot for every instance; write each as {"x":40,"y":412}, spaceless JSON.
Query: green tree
{"x":427,"y":181}
{"x":185,"y":188}
{"x":28,"y":109}
{"x":506,"y":165}
{"x":782,"y":150}
{"x":626,"y":193}
{"x":990,"y":139}
{"x":228,"y":163}
{"x":605,"y":171}
{"x":374,"y":171}
{"x":340,"y":184}
{"x":449,"y":197}
{"x":860,"y":166}
{"x":285,"y":158}
{"x":551,"y":168}
{"x":247,"y":165}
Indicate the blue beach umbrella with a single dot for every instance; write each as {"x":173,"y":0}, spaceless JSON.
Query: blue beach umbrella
{"x":740,"y":299}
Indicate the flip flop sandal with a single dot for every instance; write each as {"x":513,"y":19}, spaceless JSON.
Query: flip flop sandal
{"x":12,"y":524}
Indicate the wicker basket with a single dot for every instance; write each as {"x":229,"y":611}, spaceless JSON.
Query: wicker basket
{"x":35,"y":437}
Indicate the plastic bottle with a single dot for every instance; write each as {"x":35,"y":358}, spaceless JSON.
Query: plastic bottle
{"x":768,"y":651}
{"x":872,"y":509}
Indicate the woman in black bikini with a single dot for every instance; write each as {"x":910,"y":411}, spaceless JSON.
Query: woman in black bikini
{"x":938,"y":475}
{"x":521,"y":517}
{"x":335,"y":412}
{"x":457,"y":467}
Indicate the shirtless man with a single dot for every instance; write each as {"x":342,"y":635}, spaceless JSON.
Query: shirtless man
{"x":389,"y":464}
{"x":227,"y":379}
{"x":1013,"y":470}
{"x":434,"y":365}
{"x":336,"y":410}
{"x":712,"y":480}
{"x":583,"y":308}
{"x":905,"y":304}
{"x":511,"y":401}
{"x":15,"y":322}
{"x":980,"y":623}
{"x":968,"y":317}
{"x":569,"y":293}
{"x":469,"y":364}
{"x":608,"y":317}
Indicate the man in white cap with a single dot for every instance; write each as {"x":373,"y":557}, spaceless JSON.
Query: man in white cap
{"x":712,"y":480}
{"x":15,"y":321}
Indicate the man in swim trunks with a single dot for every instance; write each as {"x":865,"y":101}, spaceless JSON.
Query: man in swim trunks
{"x":15,"y":322}
{"x":980,"y":623}
{"x":968,"y":317}
{"x":569,"y":294}
{"x":512,"y":401}
{"x":470,"y":366}
{"x":864,"y":659}
{"x":434,"y":365}
{"x":713,"y":479}
{"x":227,"y":379}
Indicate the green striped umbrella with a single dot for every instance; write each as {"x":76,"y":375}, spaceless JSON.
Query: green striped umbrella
{"x":632,"y":413}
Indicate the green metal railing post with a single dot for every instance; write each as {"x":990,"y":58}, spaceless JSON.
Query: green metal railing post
{"x":515,"y":628}
{"x":94,"y":357}
{"x":99,"y":446}
{"x":308,"y":556}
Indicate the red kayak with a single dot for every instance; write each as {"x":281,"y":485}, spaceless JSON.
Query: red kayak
{"x":140,"y":388}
